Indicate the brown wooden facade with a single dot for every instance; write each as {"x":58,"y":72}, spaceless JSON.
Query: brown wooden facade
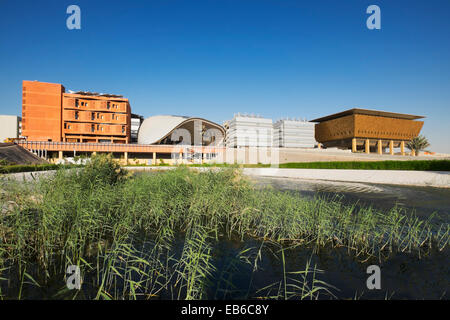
{"x":367,"y":130}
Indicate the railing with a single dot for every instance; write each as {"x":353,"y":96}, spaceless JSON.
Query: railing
{"x":116,"y":147}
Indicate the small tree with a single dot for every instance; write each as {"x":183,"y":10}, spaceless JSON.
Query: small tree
{"x":418,"y":144}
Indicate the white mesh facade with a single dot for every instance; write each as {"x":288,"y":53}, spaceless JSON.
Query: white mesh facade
{"x":249,"y":131}
{"x":293,"y":134}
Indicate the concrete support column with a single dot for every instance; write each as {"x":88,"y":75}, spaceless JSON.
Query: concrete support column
{"x":367,"y":145}
{"x":154,"y":158}
{"x":402,"y":147}
{"x":354,"y":145}
{"x":391,"y":147}
{"x":60,"y":155}
{"x":125,"y":155}
{"x":380,"y":147}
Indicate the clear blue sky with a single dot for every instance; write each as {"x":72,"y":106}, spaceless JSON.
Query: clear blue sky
{"x":219,"y":57}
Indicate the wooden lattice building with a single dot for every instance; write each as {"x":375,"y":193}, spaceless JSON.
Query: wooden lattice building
{"x":367,"y":130}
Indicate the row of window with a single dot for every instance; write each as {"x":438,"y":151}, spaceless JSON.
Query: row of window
{"x":83,"y":104}
{"x":400,"y":134}
{"x":341,"y":133}
{"x":99,"y":128}
{"x":113,"y":116}
{"x":109,"y":105}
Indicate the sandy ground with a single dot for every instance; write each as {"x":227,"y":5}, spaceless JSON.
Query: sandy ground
{"x":395,"y":177}
{"x":311,"y":155}
{"x":438,"y":179}
{"x":285,"y":155}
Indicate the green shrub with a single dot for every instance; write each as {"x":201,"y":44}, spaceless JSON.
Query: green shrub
{"x":4,"y":162}
{"x":28,"y":168}
{"x":420,"y":165}
{"x":101,"y":169}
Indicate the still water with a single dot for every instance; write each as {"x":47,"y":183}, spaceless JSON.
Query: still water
{"x":405,"y":276}
{"x":421,"y":201}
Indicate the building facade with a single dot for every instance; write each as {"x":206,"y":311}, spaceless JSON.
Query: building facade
{"x":136,"y":121}
{"x":9,"y":127}
{"x":367,"y":130}
{"x":290,"y":133}
{"x":249,"y":131}
{"x":51,"y":114}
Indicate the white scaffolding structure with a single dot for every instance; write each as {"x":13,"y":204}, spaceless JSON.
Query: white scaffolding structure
{"x":293,"y":133}
{"x":249,"y":131}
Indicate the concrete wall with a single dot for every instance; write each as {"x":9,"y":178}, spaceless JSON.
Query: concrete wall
{"x":9,"y":127}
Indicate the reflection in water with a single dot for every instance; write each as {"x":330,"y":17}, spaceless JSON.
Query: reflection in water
{"x":421,"y":200}
{"x":405,"y":275}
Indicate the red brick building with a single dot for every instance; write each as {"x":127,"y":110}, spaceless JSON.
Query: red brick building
{"x":51,"y":114}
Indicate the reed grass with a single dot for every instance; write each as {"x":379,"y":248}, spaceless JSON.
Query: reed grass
{"x":159,"y":235}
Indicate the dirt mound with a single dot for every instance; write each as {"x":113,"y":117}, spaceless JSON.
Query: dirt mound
{"x":15,"y":154}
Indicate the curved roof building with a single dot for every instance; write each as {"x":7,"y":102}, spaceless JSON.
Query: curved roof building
{"x":162,"y":129}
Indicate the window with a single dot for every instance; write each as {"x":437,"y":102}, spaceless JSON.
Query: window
{"x":113,"y":116}
{"x":76,"y":103}
{"x":107,"y":105}
{"x":92,"y":116}
{"x":123,"y":129}
{"x":92,"y":128}
{"x":76,"y":115}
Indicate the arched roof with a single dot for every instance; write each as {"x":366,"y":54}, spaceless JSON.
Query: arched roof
{"x":156,"y":128}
